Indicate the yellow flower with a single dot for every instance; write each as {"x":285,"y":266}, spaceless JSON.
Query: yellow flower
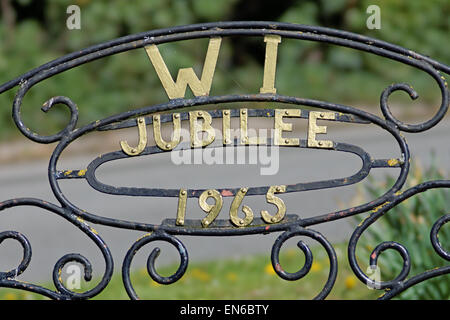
{"x":200,"y":275}
{"x":350,"y":282}
{"x":316,"y":266}
{"x":143,"y":272}
{"x":10,"y":296}
{"x":269,"y":269}
{"x":231,"y":276}
{"x":155,"y":284}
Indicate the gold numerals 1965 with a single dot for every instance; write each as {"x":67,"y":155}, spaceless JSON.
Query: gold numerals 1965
{"x":213,"y":210}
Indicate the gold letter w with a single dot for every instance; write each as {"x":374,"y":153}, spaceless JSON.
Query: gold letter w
{"x":186,"y":76}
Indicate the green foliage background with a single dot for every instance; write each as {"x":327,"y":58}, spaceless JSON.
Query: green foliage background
{"x":34,"y":32}
{"x":409,"y":224}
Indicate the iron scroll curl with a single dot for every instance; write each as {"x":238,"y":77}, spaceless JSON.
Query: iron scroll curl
{"x":293,"y":225}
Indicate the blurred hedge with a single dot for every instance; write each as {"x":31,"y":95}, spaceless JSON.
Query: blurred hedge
{"x":34,"y":32}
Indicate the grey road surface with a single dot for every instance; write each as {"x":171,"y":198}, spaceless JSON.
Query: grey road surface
{"x":52,"y":236}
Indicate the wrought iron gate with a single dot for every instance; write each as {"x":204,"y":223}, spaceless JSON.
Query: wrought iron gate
{"x":289,"y":224}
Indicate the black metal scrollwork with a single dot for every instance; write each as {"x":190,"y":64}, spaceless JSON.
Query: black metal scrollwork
{"x":151,"y":260}
{"x":290,"y":226}
{"x":8,"y":279}
{"x":298,"y":231}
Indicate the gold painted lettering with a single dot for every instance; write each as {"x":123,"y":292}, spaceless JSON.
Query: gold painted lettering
{"x":235,"y":219}
{"x":206,"y":127}
{"x":270,"y":64}
{"x":181,"y":212}
{"x":212,"y":210}
{"x":186,"y":76}
{"x":176,"y":137}
{"x":226,"y":124}
{"x":244,"y":131}
{"x":271,"y":198}
{"x":142,"y":140}
{"x":313,"y":129}
{"x":280,"y":126}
